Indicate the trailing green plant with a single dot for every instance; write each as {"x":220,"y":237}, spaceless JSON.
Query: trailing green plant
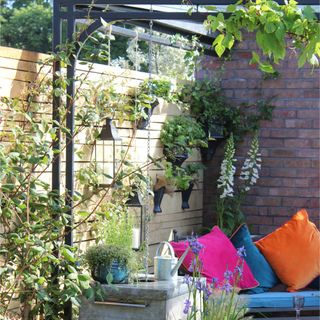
{"x":273,"y":24}
{"x":182,"y":177}
{"x":231,"y":197}
{"x":157,"y":88}
{"x":37,"y":271}
{"x":209,"y":106}
{"x":181,"y":134}
{"x":100,"y":101}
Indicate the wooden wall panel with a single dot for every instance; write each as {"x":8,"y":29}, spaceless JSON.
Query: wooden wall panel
{"x":18,"y":67}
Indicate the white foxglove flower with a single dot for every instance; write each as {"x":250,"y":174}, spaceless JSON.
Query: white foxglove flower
{"x":251,"y":166}
{"x":227,"y":171}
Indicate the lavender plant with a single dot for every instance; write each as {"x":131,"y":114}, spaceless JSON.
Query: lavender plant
{"x":215,"y":300}
{"x":228,"y":206}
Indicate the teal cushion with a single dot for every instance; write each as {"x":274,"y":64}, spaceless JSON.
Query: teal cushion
{"x":315,"y":284}
{"x":259,"y":266}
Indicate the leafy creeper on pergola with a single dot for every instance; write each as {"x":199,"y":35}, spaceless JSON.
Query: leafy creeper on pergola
{"x":274,"y":25}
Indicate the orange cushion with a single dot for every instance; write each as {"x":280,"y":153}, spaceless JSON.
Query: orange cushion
{"x":293,"y":251}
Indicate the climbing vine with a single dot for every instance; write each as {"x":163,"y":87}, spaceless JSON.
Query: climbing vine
{"x":274,"y":25}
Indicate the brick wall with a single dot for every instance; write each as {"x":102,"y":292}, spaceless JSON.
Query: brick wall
{"x":290,"y":142}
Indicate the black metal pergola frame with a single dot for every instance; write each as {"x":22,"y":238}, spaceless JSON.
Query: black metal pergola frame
{"x":73,"y":10}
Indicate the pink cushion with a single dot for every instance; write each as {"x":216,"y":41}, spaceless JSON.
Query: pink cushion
{"x":217,"y":256}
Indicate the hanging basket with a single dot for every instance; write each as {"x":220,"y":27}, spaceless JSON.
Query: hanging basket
{"x":144,"y":122}
{"x":185,"y":196}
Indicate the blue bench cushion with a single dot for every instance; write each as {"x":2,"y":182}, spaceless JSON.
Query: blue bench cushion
{"x":259,"y":266}
{"x":281,"y":299}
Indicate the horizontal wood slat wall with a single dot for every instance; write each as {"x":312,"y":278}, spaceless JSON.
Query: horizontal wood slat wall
{"x":18,"y":67}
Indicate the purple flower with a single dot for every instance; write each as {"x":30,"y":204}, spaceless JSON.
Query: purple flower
{"x":238,"y":270}
{"x":207,"y":293}
{"x":195,"y":245}
{"x":214,"y":281}
{"x":199,"y":285}
{"x":241,"y":252}
{"x":187,"y":306}
{"x":187,"y":279}
{"x":227,"y":287}
{"x":228,"y":275}
{"x":193,"y":265}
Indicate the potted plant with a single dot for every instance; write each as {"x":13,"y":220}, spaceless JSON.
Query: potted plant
{"x":147,"y":99}
{"x":179,"y":136}
{"x":191,"y":170}
{"x":209,"y":107}
{"x":109,"y":263}
{"x":112,"y":259}
{"x":218,"y":118}
{"x":181,"y":178}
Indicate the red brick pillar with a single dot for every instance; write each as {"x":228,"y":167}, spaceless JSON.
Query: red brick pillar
{"x":290,"y":142}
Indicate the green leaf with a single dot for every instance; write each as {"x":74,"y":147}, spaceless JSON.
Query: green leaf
{"x":266,"y":67}
{"x":84,"y":277}
{"x":270,"y":27}
{"x":220,"y":49}
{"x":41,"y":280}
{"x":255,"y":58}
{"x":71,"y":269}
{"x":231,"y":8}
{"x":89,"y":293}
{"x":228,"y":41}
{"x":84,"y":284}
{"x":109,"y":278}
{"x":68,"y":255}
{"x":309,"y":13}
{"x":211,"y":8}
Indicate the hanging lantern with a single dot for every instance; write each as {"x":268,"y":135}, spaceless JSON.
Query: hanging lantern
{"x":107,"y":151}
{"x":137,"y":213}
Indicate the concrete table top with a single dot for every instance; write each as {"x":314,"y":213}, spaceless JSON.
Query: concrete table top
{"x":152,"y":290}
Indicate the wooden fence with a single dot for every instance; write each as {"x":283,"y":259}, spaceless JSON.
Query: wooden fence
{"x":19,"y":67}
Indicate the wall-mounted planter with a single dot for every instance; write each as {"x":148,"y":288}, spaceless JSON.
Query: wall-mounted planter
{"x":143,"y":123}
{"x":185,"y":196}
{"x":207,"y":154}
{"x":157,"y":199}
{"x":175,"y":159}
{"x":214,"y":136}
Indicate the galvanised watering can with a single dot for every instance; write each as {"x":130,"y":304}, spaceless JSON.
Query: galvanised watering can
{"x":166,"y":266}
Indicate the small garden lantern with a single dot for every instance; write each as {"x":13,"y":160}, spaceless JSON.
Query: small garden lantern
{"x":137,"y":213}
{"x":107,"y":153}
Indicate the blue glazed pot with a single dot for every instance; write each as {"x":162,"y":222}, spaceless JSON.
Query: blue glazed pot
{"x":119,"y":273}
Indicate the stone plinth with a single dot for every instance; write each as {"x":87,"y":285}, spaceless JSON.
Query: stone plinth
{"x":160,"y":300}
